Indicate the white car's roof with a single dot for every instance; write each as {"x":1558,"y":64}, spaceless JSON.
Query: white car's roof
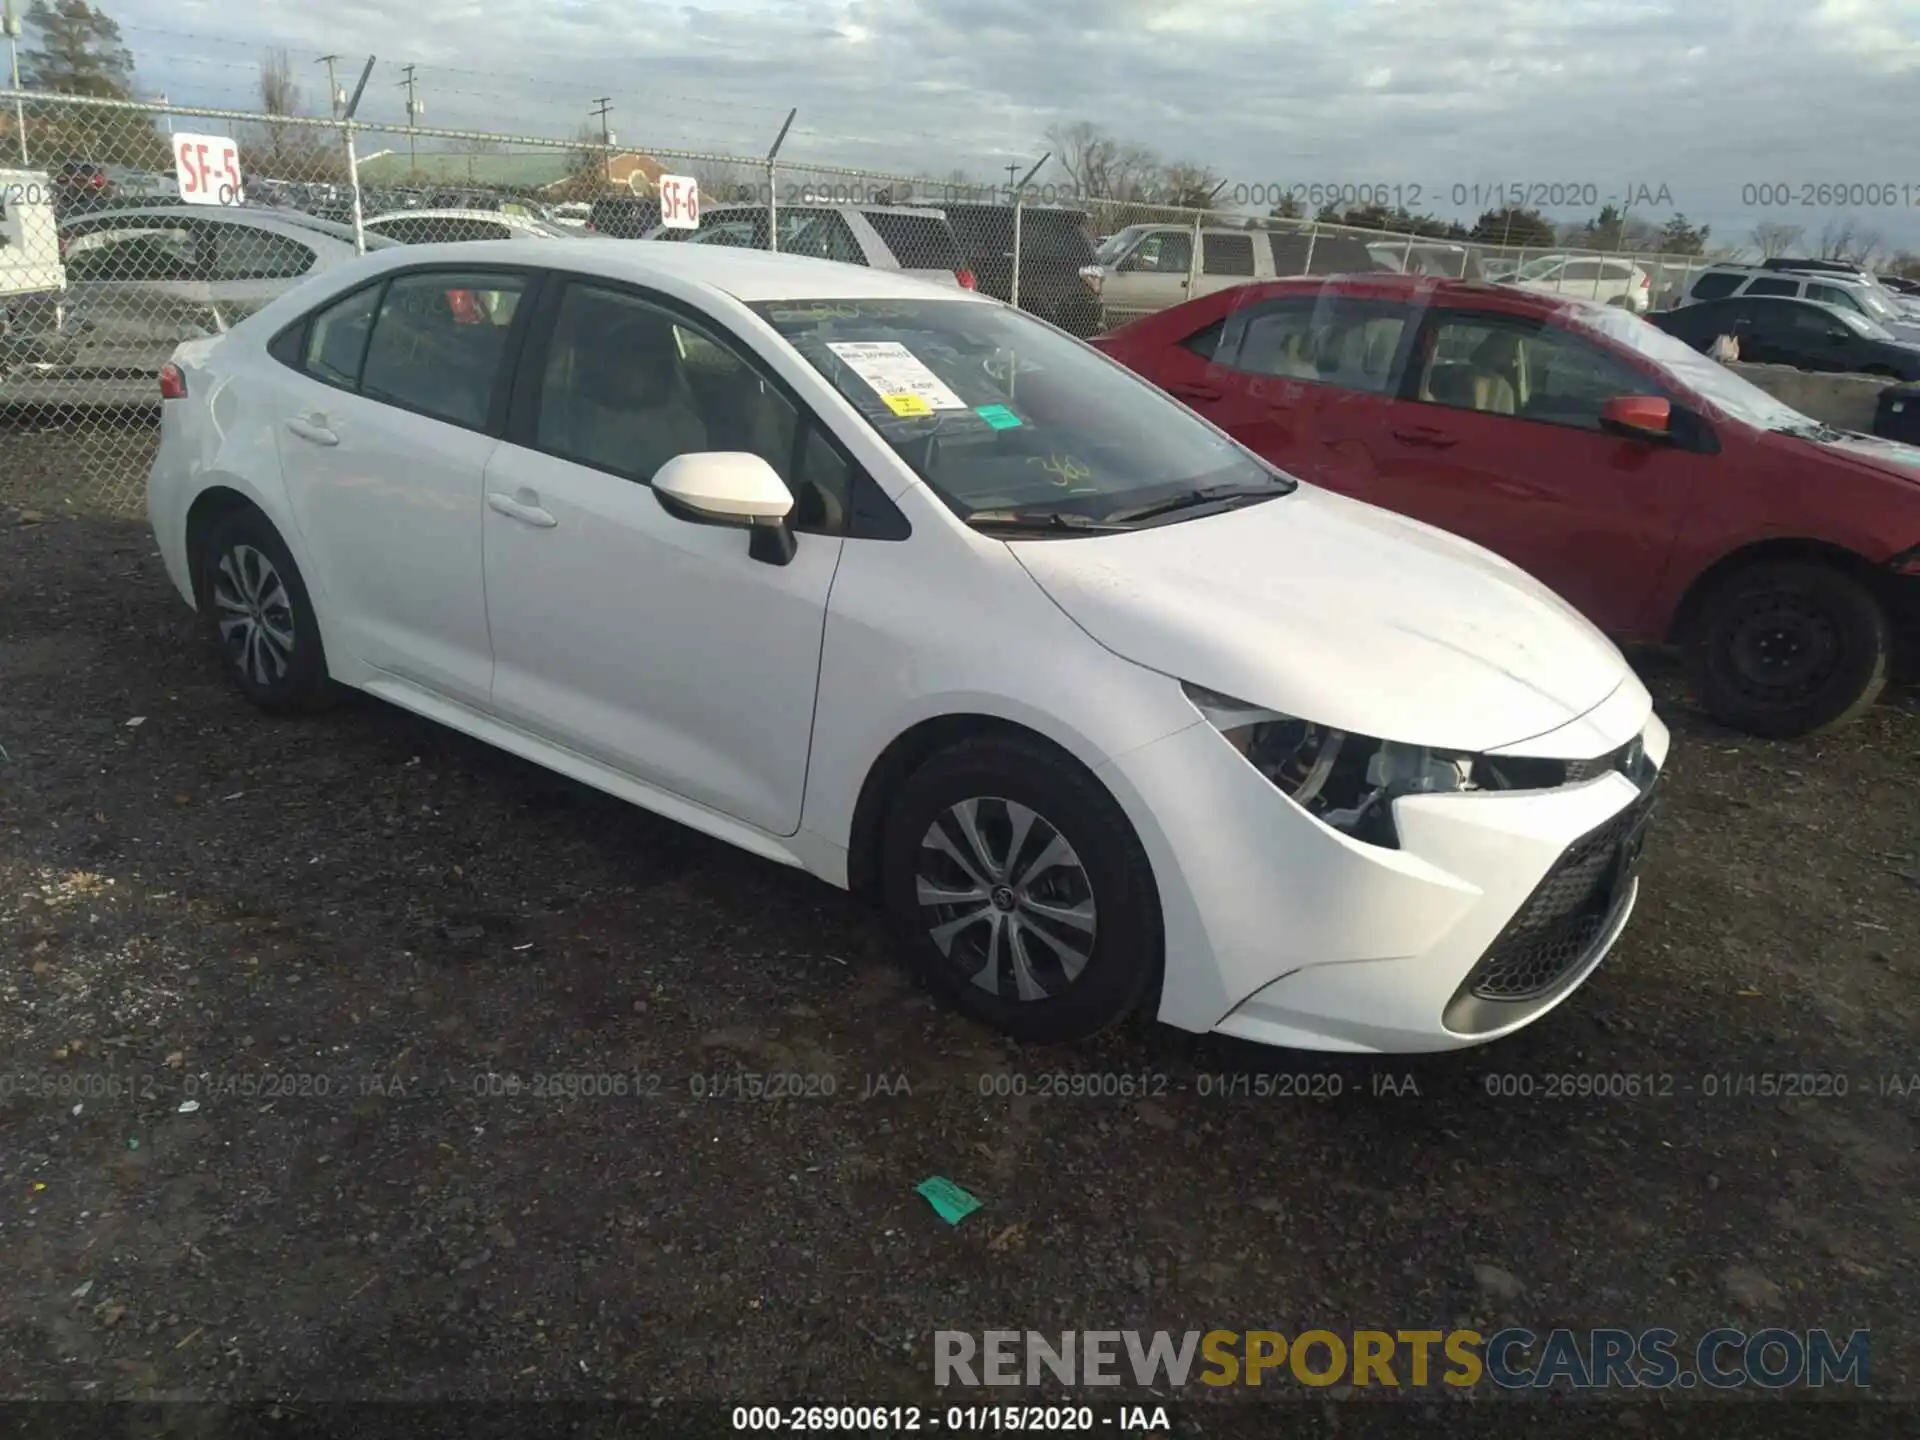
{"x":748,"y":275}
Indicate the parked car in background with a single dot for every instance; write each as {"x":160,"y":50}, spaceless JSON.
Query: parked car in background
{"x":894,"y":584}
{"x":624,"y":217}
{"x":430,"y":227}
{"x":1848,"y":270}
{"x":1149,"y":267}
{"x":911,"y":239}
{"x":1846,"y":292}
{"x":1589,"y":277}
{"x":1660,"y":493}
{"x":1498,"y":268}
{"x":573,"y":215}
{"x":1426,"y":257}
{"x":141,"y":281}
{"x":1054,"y":248}
{"x":1771,"y":330}
{"x":80,"y":186}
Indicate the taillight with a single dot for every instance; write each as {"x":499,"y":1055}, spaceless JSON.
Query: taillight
{"x":965,"y":277}
{"x":173,"y":385}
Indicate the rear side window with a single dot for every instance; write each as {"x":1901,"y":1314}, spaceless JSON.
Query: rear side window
{"x":439,"y":342}
{"x":1770,"y":286}
{"x":337,"y":339}
{"x":918,"y":242}
{"x":1227,"y":254}
{"x":1321,"y":255}
{"x":1715,"y":285}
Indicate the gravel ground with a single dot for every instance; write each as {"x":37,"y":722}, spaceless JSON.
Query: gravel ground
{"x":342,"y":937}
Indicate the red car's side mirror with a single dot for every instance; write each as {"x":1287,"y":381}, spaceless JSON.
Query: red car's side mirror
{"x":1648,"y":417}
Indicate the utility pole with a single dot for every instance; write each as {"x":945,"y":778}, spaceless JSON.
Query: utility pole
{"x":604,"y":106}
{"x":414,"y":107}
{"x":1012,"y":170}
{"x":336,"y":97}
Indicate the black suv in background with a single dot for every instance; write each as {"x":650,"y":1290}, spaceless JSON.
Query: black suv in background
{"x":1778,"y":330}
{"x":624,"y":217}
{"x":1054,"y":244}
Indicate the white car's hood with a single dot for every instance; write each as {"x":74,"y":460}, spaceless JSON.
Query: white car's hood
{"x":1342,"y":613}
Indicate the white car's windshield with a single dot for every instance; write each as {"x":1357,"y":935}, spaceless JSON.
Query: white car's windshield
{"x":1877,"y":304}
{"x":1538,"y":269}
{"x":1707,"y":378}
{"x":1861,"y":325}
{"x":999,"y":413}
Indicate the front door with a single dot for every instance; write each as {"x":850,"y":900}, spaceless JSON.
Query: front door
{"x":653,"y":645}
{"x":1496,"y":436}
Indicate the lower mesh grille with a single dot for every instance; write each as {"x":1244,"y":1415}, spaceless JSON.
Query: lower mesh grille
{"x":1567,"y":914}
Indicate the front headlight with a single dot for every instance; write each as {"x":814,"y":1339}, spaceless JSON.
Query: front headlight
{"x":1342,"y":779}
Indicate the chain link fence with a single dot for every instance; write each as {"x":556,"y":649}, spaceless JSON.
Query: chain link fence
{"x":106,"y":266}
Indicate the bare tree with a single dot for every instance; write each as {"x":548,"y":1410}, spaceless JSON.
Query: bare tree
{"x":723,"y":183}
{"x":274,"y":149}
{"x":1773,"y":239}
{"x":479,"y":145}
{"x":1845,"y":238}
{"x":1100,"y":166}
{"x":1187,"y":185}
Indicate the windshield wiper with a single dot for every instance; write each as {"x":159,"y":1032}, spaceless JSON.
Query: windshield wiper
{"x":1204,"y":495}
{"x":1038,"y":520}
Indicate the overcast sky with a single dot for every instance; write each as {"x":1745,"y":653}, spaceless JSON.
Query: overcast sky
{"x":1703,"y":97}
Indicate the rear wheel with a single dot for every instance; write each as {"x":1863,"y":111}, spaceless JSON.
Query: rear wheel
{"x":255,"y":608}
{"x":1787,"y":648}
{"x":1019,"y":891}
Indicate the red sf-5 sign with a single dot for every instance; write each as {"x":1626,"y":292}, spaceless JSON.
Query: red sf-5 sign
{"x":207,"y":168}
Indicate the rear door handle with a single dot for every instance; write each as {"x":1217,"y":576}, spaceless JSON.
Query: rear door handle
{"x":525,"y":508}
{"x":1425,"y":436}
{"x":314,"y":428}
{"x":1193,"y":392}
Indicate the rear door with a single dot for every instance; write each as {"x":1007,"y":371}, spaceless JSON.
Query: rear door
{"x":1496,"y":436}
{"x":1302,"y":380}
{"x":385,"y":427}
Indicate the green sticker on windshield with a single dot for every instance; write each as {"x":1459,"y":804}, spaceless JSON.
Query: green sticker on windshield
{"x":999,"y":417}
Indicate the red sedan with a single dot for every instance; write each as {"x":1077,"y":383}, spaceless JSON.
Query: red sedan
{"x":1667,"y":498}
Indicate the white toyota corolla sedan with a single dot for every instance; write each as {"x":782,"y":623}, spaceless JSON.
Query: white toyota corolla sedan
{"x":905,"y":588}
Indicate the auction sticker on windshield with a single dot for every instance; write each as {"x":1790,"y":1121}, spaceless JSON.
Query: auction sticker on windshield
{"x":897,"y":375}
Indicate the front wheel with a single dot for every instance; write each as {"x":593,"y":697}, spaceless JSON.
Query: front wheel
{"x":1019,"y":891}
{"x":1787,"y":648}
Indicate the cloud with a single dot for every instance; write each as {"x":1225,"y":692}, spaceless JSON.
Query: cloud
{"x":1701,"y":96}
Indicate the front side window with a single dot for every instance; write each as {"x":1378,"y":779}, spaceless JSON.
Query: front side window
{"x":628,"y":386}
{"x":996,"y":412}
{"x":439,"y":342}
{"x":1528,"y":370}
{"x":242,"y":252}
{"x":1164,"y":252}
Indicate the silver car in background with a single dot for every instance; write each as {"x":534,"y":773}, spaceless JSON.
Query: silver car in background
{"x":143,"y":279}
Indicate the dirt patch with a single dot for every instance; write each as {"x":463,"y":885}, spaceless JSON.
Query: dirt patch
{"x":350,"y":1058}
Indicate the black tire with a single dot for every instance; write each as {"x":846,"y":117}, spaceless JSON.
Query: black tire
{"x":1122,"y":967}
{"x":282,"y":680}
{"x":1788,"y":648}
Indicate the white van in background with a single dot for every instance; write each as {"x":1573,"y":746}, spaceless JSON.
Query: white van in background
{"x":29,"y":235}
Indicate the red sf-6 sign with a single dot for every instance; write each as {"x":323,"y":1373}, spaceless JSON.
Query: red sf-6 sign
{"x":679,"y":202}
{"x":207,"y":168}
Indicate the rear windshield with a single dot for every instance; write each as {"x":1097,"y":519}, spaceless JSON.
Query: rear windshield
{"x":1320,"y":255}
{"x":996,"y":411}
{"x":918,"y":242}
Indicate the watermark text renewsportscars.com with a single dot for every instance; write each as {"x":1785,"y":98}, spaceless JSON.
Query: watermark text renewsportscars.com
{"x":1723,"y":1358}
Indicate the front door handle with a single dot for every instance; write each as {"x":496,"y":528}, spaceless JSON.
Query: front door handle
{"x":313,"y":427}
{"x":1193,"y":392}
{"x":524,"y":507}
{"x":1425,"y":436}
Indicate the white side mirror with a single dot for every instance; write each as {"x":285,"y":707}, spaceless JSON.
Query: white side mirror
{"x":735,"y":489}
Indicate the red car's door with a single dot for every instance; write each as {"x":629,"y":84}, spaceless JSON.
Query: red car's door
{"x":1496,"y":436}
{"x":1302,"y":380}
